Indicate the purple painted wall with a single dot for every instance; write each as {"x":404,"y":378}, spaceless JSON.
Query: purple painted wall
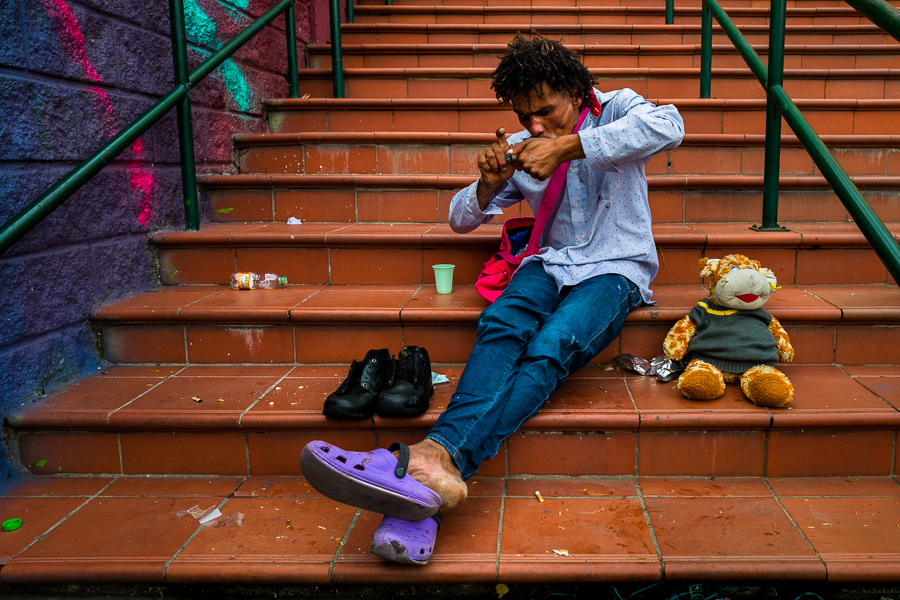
{"x":72,"y":73}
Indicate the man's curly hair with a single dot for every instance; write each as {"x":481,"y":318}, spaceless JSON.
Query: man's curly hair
{"x":528,"y":63}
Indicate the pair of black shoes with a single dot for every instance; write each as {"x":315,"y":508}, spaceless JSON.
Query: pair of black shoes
{"x":380,"y":383}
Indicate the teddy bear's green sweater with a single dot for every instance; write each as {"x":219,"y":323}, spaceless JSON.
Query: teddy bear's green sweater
{"x":732,"y":340}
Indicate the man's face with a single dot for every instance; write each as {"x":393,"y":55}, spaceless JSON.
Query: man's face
{"x":548,"y":115}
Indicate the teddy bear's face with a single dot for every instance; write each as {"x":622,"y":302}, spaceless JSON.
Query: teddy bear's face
{"x":738,"y":282}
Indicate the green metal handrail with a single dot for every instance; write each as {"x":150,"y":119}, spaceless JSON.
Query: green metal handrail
{"x":883,"y":241}
{"x":778,"y":105}
{"x":881,"y":13}
{"x":28,"y":218}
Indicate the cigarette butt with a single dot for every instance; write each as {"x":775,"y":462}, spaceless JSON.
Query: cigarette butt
{"x":539,"y":497}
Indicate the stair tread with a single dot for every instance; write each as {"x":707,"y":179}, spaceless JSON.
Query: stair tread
{"x":658,"y":72}
{"x":491,"y":103}
{"x":288,"y":397}
{"x":590,"y":49}
{"x":416,"y":304}
{"x":457,"y":182}
{"x":245,"y":140}
{"x":422,"y":235}
{"x":552,"y":28}
{"x":639,"y":10}
{"x":797,"y":529}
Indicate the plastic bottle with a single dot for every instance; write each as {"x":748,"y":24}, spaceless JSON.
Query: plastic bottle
{"x":252,"y":281}
{"x":271,"y":281}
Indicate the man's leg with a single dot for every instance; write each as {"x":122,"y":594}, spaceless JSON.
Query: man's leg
{"x":504,"y":330}
{"x":587,"y":320}
{"x":492,"y":405}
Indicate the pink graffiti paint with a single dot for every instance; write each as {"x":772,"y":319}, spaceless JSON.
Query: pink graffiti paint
{"x":71,"y":39}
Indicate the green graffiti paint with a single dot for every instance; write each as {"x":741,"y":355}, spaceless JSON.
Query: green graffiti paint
{"x":201,"y":30}
{"x":236,"y":84}
{"x":200,"y":27}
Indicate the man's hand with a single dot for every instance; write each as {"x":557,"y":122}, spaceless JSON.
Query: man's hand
{"x":539,"y":157}
{"x":495,"y":169}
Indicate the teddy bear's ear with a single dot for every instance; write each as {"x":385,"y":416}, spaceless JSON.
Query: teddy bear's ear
{"x":770,"y":277}
{"x":710,"y":266}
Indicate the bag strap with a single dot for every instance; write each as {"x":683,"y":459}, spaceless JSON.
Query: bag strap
{"x":551,"y":197}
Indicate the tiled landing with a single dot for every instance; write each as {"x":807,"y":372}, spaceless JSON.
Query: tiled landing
{"x":126,"y":529}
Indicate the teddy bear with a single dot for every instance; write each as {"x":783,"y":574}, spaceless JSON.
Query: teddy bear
{"x":730,"y":338}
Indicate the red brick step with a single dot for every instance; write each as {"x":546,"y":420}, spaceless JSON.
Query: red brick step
{"x":737,"y":116}
{"x":594,"y":15}
{"x":389,"y":153}
{"x":797,"y":56}
{"x":320,"y":323}
{"x":426,"y":198}
{"x":146,"y":420}
{"x":651,"y":34}
{"x":437,"y":82}
{"x":615,"y":529}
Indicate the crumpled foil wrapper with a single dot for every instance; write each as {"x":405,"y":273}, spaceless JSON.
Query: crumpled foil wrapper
{"x":664,"y":369}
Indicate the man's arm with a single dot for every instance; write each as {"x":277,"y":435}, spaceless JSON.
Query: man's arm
{"x":485,"y":198}
{"x":494,"y":169}
{"x":639,"y":130}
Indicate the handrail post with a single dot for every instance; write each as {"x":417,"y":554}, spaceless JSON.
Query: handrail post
{"x":772,"y":161}
{"x":350,"y":11}
{"x":185,"y":126}
{"x":705,"y":50}
{"x":337,"y":59}
{"x":670,"y":12}
{"x":293,"y":76}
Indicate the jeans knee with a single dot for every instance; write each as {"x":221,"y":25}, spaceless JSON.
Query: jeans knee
{"x":496,"y":322}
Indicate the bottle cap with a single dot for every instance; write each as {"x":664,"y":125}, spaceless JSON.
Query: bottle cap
{"x":12,"y":524}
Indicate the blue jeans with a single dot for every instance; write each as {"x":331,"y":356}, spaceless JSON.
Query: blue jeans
{"x":529,"y":341}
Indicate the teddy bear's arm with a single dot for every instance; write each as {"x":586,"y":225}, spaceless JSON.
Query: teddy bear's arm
{"x":676,"y":343}
{"x":782,"y":341}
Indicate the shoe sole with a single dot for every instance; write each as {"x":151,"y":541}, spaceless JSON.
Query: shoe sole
{"x":340,"y":486}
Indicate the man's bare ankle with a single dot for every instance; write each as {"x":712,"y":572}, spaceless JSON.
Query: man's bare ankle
{"x":431,"y":465}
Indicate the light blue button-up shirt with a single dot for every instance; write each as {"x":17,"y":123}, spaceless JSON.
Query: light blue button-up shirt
{"x":603,"y":224}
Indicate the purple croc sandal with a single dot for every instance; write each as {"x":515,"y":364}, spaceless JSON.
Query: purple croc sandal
{"x":408,"y":542}
{"x":373,"y":481}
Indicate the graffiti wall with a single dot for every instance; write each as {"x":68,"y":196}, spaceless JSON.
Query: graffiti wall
{"x":72,"y":74}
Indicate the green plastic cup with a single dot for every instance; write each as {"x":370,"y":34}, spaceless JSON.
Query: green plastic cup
{"x":443,"y":278}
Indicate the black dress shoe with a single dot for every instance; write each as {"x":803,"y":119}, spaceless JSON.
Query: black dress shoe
{"x":409,"y":386}
{"x":355,"y":398}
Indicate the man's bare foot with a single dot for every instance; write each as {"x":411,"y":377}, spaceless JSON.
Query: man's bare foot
{"x":430,"y":464}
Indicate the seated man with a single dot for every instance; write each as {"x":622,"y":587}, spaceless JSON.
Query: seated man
{"x":562,"y":307}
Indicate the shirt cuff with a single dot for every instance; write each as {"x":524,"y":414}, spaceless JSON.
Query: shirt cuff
{"x":592,"y":144}
{"x":474,"y":209}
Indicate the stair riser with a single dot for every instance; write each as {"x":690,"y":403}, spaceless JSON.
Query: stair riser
{"x":526,"y":19}
{"x":410,"y":86}
{"x":360,"y":35}
{"x":412,"y":266}
{"x":590,"y":3}
{"x":430,"y":205}
{"x":629,"y":3}
{"x":441,"y":159}
{"x":633,"y":60}
{"x":826,"y":120}
{"x":330,"y":343}
{"x":752,"y":453}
